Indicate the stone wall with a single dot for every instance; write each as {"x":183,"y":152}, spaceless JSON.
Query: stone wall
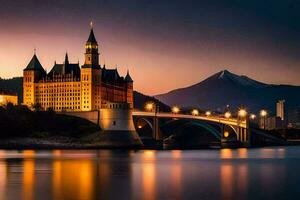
{"x":92,"y":116}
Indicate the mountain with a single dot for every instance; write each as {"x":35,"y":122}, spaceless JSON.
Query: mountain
{"x":14,"y":85}
{"x":225,"y":88}
{"x":140,"y":100}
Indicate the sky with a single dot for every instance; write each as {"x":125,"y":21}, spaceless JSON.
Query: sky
{"x":165,"y":44}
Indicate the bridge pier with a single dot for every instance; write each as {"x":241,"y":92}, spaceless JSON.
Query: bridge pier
{"x":244,"y":136}
{"x":156,"y":129}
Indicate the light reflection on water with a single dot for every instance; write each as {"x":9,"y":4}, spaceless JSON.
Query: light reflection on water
{"x":267,"y":173}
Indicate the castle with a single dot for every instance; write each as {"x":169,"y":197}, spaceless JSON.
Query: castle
{"x":69,"y":87}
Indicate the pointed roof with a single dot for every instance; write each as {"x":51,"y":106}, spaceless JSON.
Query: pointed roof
{"x":92,"y":38}
{"x":110,"y":75}
{"x":34,"y":64}
{"x":66,"y":59}
{"x":128,"y":77}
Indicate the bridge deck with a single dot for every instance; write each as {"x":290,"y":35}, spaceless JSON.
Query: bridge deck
{"x":222,"y":120}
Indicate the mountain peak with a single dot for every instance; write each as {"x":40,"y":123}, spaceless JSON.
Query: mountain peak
{"x":238,"y":79}
{"x":223,"y":73}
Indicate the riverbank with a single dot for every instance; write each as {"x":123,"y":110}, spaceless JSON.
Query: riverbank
{"x":89,"y":141}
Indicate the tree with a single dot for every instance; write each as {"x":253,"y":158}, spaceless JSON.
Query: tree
{"x":37,"y":107}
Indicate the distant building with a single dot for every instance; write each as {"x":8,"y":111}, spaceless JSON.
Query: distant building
{"x":280,"y":112}
{"x":271,"y":123}
{"x":7,"y":97}
{"x":69,"y":87}
{"x":294,"y":118}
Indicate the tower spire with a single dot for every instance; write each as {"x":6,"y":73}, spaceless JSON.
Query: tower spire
{"x":91,"y":50}
{"x":66,"y":59}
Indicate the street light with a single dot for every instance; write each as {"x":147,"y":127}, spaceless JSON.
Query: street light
{"x":175,"y":110}
{"x":263,"y":114}
{"x":153,"y":107}
{"x":195,"y":112}
{"x":242,"y":113}
{"x":208,"y":113}
{"x":252,"y":116}
{"x":227,"y":115}
{"x":149,"y":106}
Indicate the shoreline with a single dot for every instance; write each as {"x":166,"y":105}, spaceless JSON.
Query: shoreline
{"x":65,"y":143}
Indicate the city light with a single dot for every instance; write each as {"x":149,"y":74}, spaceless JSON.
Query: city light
{"x":149,"y":106}
{"x":227,"y":115}
{"x":208,"y":113}
{"x":242,"y":113}
{"x":263,"y":113}
{"x":252,"y":116}
{"x":226,"y":134}
{"x":195,"y":112}
{"x":139,"y":126}
{"x":175,"y":110}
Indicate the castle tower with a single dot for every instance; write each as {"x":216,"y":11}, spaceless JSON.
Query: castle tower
{"x":91,"y":51}
{"x":31,"y":75}
{"x":91,"y":76}
{"x":129,"y":89}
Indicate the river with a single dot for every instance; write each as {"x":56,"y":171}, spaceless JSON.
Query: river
{"x":262,"y":173}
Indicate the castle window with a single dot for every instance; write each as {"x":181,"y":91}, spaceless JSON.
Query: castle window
{"x":114,"y":123}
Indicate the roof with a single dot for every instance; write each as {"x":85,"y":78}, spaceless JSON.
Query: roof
{"x":34,"y":64}
{"x":111,"y":75}
{"x":65,"y":69}
{"x":92,"y":38}
{"x":128,"y":77}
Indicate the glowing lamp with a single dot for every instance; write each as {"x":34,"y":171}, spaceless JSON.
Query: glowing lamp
{"x":226,"y":134}
{"x":175,"y":109}
{"x":195,"y":112}
{"x":149,"y":106}
{"x":227,"y":115}
{"x":208,"y":113}
{"x":252,"y":116}
{"x":242,"y":113}
{"x":263,"y":113}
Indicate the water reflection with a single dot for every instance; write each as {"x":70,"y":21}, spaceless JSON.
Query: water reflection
{"x":226,"y":153}
{"x":148,"y":180}
{"x":28,"y":175}
{"x":3,"y":174}
{"x":148,"y":175}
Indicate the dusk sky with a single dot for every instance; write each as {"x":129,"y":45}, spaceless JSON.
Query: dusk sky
{"x":165,"y":44}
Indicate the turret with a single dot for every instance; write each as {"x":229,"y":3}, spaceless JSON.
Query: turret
{"x":129,"y":89}
{"x":33,"y":73}
{"x":91,"y":52}
{"x":91,"y":76}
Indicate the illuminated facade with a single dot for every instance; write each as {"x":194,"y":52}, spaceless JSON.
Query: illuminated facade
{"x":69,"y":87}
{"x":6,"y":97}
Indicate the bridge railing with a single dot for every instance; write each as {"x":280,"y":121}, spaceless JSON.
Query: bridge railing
{"x":219,"y":119}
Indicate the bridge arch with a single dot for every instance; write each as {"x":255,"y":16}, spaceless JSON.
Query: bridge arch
{"x":145,"y":120}
{"x":206,"y":126}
